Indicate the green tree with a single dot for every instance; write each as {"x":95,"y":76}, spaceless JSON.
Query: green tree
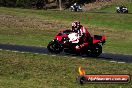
{"x":8,"y":3}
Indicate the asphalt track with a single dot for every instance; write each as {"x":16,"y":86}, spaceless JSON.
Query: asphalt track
{"x":42,"y":50}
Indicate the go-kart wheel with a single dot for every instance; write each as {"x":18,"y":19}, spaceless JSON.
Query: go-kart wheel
{"x":117,"y":11}
{"x":126,"y":11}
{"x":96,"y":50}
{"x":54,"y":47}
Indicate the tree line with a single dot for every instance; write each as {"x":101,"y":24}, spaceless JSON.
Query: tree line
{"x":39,"y":4}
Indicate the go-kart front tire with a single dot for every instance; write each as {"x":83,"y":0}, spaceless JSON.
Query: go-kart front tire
{"x":96,"y":50}
{"x":54,"y":47}
{"x":126,"y":11}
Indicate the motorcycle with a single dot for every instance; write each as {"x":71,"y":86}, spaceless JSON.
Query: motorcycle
{"x":76,"y":8}
{"x":67,"y":41}
{"x":121,"y":9}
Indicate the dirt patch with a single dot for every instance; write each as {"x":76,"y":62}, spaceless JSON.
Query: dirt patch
{"x":13,"y":21}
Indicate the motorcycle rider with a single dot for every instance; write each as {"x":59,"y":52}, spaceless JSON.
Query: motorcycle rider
{"x":75,"y":6}
{"x":121,"y":7}
{"x":83,"y":33}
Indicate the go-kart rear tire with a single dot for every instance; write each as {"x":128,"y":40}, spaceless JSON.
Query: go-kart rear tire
{"x":54,"y":47}
{"x":96,"y":50}
{"x":117,"y":11}
{"x":126,"y":11}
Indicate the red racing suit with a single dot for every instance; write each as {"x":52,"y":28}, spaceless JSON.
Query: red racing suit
{"x":84,"y":38}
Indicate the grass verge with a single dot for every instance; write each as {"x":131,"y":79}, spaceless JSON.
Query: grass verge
{"x":45,"y":71}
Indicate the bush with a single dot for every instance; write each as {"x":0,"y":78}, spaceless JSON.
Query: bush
{"x":38,"y":3}
{"x":8,"y":3}
{"x":25,"y":3}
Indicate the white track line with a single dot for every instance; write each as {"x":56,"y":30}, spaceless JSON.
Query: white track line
{"x":22,"y":52}
{"x":14,"y":51}
{"x":83,"y":58}
{"x":45,"y":54}
{"x":56,"y":55}
{"x":121,"y":62}
{"x":113,"y":61}
{"x":8,"y":50}
{"x":36,"y":53}
{"x":104,"y":60}
{"x":65,"y":56}
{"x":53,"y":55}
{"x":73,"y":57}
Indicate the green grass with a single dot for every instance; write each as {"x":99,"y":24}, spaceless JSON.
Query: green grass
{"x":112,"y":8}
{"x":39,"y":71}
{"x":38,"y":27}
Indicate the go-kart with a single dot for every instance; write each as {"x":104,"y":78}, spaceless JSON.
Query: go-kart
{"x":67,"y":40}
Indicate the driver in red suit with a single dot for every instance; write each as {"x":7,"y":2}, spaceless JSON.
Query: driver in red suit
{"x":83,"y":33}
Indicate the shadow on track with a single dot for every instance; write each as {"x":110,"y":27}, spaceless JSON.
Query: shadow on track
{"x":116,"y":57}
{"x":43,"y":50}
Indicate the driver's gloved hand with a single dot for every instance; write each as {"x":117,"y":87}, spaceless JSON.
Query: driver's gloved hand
{"x":77,"y":47}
